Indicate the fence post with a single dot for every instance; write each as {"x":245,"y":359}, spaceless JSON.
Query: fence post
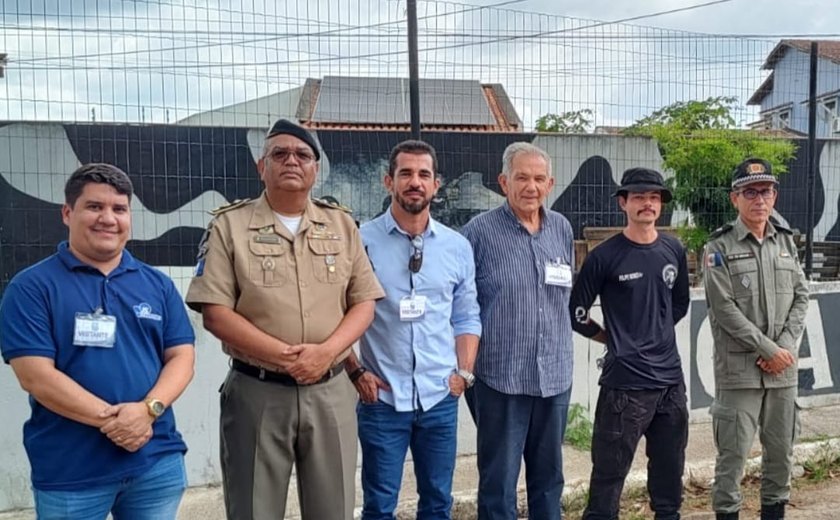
{"x":812,"y":162}
{"x":413,"y":74}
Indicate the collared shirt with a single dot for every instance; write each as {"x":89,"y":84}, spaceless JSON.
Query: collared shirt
{"x":526,"y":347}
{"x":417,"y":357}
{"x":757,"y":296}
{"x":38,"y":317}
{"x":295,"y":287}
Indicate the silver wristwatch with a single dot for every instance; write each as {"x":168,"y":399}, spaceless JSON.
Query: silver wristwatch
{"x":468,"y":376}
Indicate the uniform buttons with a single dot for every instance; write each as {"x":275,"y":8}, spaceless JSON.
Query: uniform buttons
{"x":303,"y":283}
{"x":306,"y":314}
{"x":540,"y":309}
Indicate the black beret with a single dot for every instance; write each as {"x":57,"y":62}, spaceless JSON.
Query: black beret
{"x":284,"y":126}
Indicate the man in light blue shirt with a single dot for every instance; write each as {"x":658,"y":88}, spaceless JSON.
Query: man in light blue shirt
{"x":417,"y":356}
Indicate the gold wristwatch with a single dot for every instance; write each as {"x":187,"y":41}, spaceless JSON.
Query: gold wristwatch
{"x":155,"y":407}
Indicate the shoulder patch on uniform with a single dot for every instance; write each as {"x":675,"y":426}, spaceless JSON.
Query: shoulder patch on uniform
{"x":714,"y":259}
{"x":721,"y":230}
{"x":779,"y":226}
{"x":238,"y":203}
{"x":330,"y":202}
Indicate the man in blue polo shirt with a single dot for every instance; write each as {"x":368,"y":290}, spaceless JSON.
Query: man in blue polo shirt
{"x":417,"y":356}
{"x":102,"y":344}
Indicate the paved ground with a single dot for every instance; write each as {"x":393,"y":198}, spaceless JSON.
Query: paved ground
{"x":819,"y":503}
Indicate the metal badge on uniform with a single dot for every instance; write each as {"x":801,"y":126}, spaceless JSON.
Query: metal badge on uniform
{"x":330,"y":261}
{"x":268,"y":264}
{"x":558,"y":274}
{"x":265,"y":230}
{"x":745,"y":281}
{"x":412,"y":307}
{"x":94,"y":330}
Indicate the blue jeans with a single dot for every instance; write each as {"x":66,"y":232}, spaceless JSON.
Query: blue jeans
{"x":154,"y":495}
{"x":511,"y":427}
{"x":385,"y":435}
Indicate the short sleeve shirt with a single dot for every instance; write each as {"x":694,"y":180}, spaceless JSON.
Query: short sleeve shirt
{"x":296,"y":288}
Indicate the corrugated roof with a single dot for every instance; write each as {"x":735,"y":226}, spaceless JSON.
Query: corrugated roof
{"x":383,"y":104}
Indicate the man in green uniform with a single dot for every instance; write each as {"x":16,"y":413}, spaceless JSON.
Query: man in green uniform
{"x":285,"y":283}
{"x":757,"y":297}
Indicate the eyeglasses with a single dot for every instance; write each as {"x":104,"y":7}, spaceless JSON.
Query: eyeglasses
{"x":281,"y":155}
{"x":415,"y":261}
{"x":752,"y":193}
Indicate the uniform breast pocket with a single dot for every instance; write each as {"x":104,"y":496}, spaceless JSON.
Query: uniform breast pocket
{"x":267,"y":264}
{"x":786,"y":274}
{"x":744,"y":277}
{"x":330,"y":260}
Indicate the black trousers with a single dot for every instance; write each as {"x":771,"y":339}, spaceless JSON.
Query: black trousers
{"x":621,"y":418}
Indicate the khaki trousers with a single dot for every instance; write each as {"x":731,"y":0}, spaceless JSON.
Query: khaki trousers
{"x":267,"y":427}
{"x":736,"y":415}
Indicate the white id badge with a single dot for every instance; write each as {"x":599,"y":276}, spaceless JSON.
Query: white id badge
{"x":558,"y":274}
{"x":94,"y":330}
{"x":412,"y":308}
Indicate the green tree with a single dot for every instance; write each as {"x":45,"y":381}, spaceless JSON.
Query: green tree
{"x":572,"y":122}
{"x":700,"y":144}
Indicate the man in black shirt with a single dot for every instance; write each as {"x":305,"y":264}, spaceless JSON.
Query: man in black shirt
{"x":641,"y":277}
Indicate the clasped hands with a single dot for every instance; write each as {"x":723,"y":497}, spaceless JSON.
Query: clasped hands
{"x":778,"y":363}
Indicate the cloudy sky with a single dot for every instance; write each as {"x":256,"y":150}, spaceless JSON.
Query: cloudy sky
{"x":163,"y":60}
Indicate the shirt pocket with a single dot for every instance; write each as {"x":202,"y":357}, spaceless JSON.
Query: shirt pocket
{"x":786,"y":274}
{"x":330,"y":260}
{"x":267,"y":264}
{"x":744,"y":278}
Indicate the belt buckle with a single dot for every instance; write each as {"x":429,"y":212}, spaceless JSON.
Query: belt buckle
{"x":261,"y":376}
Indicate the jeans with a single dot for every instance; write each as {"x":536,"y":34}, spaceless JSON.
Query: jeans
{"x":154,"y":495}
{"x":385,"y":435}
{"x":621,"y":418}
{"x":511,"y":427}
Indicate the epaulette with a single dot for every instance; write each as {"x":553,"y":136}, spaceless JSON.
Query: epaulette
{"x":721,"y":230}
{"x":779,"y":226}
{"x":327,"y":203}
{"x":229,"y":206}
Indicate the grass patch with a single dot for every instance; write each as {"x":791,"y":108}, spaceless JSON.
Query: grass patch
{"x":821,"y":468}
{"x":579,"y":428}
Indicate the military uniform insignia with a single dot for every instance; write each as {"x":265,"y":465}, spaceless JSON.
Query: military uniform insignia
{"x":740,"y":256}
{"x":714,"y":259}
{"x":266,"y":230}
{"x":330,"y":261}
{"x":330,"y":202}
{"x":227,"y":207}
{"x":267,"y":239}
{"x":721,"y":230}
{"x":746,"y":282}
{"x":268,"y":264}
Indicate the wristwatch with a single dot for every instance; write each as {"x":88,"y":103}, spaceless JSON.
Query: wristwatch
{"x":155,"y":407}
{"x":468,"y":377}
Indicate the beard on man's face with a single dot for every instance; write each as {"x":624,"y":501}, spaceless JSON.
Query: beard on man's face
{"x":413,"y":206}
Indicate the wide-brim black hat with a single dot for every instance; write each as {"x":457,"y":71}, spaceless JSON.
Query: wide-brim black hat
{"x":641,"y":180}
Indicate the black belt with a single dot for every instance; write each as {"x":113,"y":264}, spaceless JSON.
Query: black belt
{"x":279,"y":377}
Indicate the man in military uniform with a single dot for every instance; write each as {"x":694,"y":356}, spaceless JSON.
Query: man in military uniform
{"x":283,"y":281}
{"x":757,"y":297}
